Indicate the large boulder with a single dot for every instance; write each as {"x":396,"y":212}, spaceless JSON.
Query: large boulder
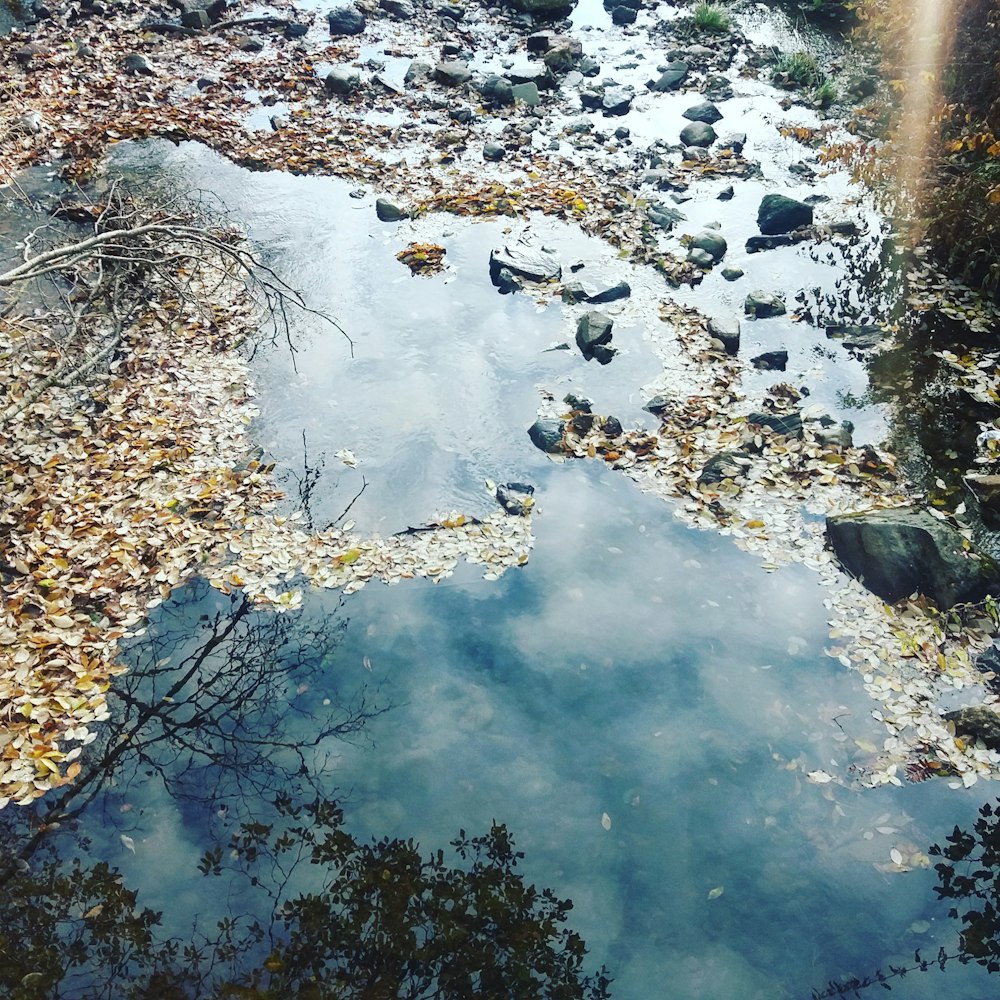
{"x":346,"y":20}
{"x":712,"y":242}
{"x":905,"y":550}
{"x":780,"y":214}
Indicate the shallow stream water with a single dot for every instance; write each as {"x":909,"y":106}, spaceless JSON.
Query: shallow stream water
{"x":639,"y":704}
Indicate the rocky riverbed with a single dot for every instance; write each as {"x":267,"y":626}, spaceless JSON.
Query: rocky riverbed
{"x":745,"y":260}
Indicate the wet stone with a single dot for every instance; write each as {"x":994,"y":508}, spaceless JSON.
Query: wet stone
{"x":527,"y":261}
{"x":592,"y":331}
{"x":772,"y":361}
{"x":389,"y":211}
{"x":764,"y":305}
{"x":346,"y":20}
{"x":671,"y":78}
{"x":978,"y":722}
{"x":700,"y":258}
{"x":663,"y":216}
{"x":658,"y":405}
{"x":624,"y":15}
{"x":706,"y":112}
{"x":515,"y":498}
{"x":726,"y":194}
{"x":581,"y":403}
{"x":713,"y":243}
{"x":780,"y":214}
{"x":698,"y":134}
{"x":494,"y":152}
{"x":547,"y":435}
{"x":614,"y":293}
{"x":526,"y":93}
{"x":732,"y":273}
{"x":452,"y":72}
{"x":611,"y":427}
{"x":342,"y":81}
{"x":727,"y":332}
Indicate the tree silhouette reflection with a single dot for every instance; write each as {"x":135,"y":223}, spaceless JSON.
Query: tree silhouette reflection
{"x":235,"y":714}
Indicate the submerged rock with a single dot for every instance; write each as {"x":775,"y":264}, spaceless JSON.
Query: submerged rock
{"x":725,"y":465}
{"x":780,"y":214}
{"x":908,"y":550}
{"x":857,"y":338}
{"x":547,"y":435}
{"x":789,"y":424}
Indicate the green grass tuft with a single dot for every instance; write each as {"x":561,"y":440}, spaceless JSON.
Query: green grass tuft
{"x":711,"y":18}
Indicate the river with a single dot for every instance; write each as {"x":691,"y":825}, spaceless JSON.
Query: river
{"x":640,"y":703}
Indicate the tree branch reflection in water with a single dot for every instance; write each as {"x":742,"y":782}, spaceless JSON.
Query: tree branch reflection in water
{"x":235,"y":722}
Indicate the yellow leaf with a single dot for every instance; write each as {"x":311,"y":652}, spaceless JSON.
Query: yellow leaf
{"x":348,"y":557}
{"x":754,"y":524}
{"x":716,"y":892}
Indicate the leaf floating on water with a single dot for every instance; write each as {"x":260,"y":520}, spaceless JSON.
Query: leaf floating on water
{"x":819,"y":777}
{"x":606,"y":821}
{"x":94,"y":911}
{"x":716,"y":892}
{"x":127,"y":842}
{"x":920,"y":926}
{"x":896,"y":856}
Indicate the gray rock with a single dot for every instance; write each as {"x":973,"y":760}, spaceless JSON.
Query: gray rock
{"x":592,"y":331}
{"x":346,"y":20}
{"x":732,"y":273}
{"x":727,"y":331}
{"x":698,"y":134}
{"x":389,"y":211}
{"x":402,"y":10}
{"x":611,"y":427}
{"x":417,"y":72}
{"x":705,"y":111}
{"x":580,"y":403}
{"x":616,"y":100}
{"x":700,"y":258}
{"x":452,"y":72}
{"x":711,"y":242}
{"x":527,"y":261}
{"x":658,"y":405}
{"x":663,"y":216}
{"x":857,"y":338}
{"x":671,"y":78}
{"x":726,"y":194}
{"x":624,"y":15}
{"x":906,"y":549}
{"x":771,"y":361}
{"x":294,"y":30}
{"x":532,"y":71}
{"x":547,"y":435}
{"x":342,"y":81}
{"x":136,"y":62}
{"x":589,"y":66}
{"x":781,"y":214}
{"x":763,"y":305}
{"x":494,"y":152}
{"x":621,"y":290}
{"x":497,"y":90}
{"x":539,"y":41}
{"x":526,"y":93}
{"x":562,"y":54}
{"x":452,"y":10}
{"x":787,"y":424}
{"x":725,"y":465}
{"x":979,"y":722}
{"x":696,"y":154}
